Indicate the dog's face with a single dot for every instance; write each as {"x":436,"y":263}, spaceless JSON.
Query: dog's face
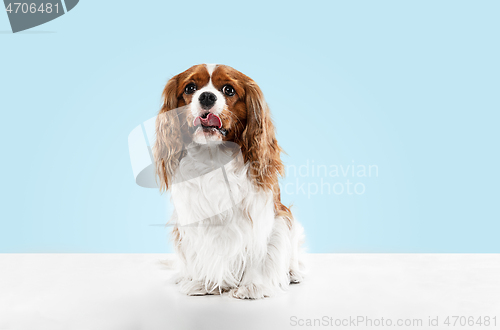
{"x":215,"y":96}
{"x":219,"y":104}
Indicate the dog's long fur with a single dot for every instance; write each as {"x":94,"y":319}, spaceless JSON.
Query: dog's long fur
{"x":232,"y":232}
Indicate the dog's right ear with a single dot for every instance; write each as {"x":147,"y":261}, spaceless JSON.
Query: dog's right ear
{"x":169,"y":144}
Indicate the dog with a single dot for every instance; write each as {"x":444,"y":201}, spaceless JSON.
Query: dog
{"x":217,"y":153}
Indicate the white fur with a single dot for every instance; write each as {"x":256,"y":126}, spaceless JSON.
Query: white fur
{"x":200,"y":137}
{"x":210,"y":69}
{"x":196,"y":110}
{"x":219,"y":105}
{"x":231,"y":239}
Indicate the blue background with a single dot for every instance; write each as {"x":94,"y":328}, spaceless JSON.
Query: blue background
{"x":412,"y":87}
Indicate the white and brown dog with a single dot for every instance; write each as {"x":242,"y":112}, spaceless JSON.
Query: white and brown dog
{"x":231,"y":230}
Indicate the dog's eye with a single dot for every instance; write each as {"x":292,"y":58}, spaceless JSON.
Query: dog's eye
{"x":190,"y":88}
{"x":228,"y":90}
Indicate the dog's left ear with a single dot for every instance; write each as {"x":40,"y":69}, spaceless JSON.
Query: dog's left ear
{"x":260,"y":147}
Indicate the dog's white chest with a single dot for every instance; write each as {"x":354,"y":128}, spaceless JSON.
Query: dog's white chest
{"x":209,"y":184}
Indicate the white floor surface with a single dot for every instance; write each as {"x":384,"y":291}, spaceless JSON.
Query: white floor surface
{"x":136,"y":291}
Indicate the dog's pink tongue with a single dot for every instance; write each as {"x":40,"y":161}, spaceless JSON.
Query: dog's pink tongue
{"x":211,"y":120}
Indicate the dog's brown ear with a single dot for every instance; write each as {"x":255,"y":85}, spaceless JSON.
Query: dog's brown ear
{"x":260,"y":147}
{"x":168,"y":146}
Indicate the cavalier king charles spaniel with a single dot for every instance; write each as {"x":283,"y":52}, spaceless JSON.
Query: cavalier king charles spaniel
{"x":217,"y":154}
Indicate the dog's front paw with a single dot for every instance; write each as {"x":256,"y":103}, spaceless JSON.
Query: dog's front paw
{"x":192,"y":288}
{"x":250,"y":291}
{"x":197,"y":288}
{"x":295,"y":277}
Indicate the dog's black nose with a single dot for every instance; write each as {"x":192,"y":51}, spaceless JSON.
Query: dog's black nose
{"x":207,"y":100}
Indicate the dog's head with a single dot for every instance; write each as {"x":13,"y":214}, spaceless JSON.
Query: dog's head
{"x":218,"y":104}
